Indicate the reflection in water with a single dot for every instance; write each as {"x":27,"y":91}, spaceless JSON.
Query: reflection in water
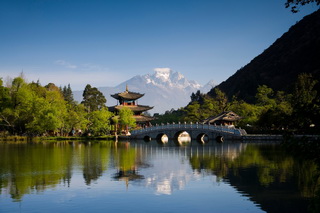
{"x":273,"y":180}
{"x":162,"y":139}
{"x":126,"y":162}
{"x":183,"y":138}
{"x":95,"y":160}
{"x":25,"y":168}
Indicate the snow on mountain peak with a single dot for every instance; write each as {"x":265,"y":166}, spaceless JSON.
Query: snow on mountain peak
{"x":163,"y":73}
{"x":165,"y":77}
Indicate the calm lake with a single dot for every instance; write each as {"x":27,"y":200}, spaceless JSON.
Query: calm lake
{"x":137,"y":176}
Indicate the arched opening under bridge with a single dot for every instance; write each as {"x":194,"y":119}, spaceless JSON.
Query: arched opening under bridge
{"x":202,"y":138}
{"x":182,"y":137}
{"x":147,"y":138}
{"x":162,"y":138}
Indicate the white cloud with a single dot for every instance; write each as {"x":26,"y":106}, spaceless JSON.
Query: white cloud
{"x":65,"y":64}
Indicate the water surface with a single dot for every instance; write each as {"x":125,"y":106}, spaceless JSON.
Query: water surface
{"x":107,"y":176}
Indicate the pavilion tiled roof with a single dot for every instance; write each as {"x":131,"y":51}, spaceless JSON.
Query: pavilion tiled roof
{"x":224,"y":116}
{"x":127,"y":95}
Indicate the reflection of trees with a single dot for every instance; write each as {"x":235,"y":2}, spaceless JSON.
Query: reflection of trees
{"x":33,"y":167}
{"x":263,"y":172}
{"x":217,"y":162}
{"x":25,"y":167}
{"x":307,"y":150}
{"x":126,"y":161}
{"x":95,"y":160}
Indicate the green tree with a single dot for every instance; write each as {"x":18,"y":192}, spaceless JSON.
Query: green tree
{"x":100,"y":122}
{"x":93,"y":99}
{"x":115,"y":122}
{"x":18,"y":111}
{"x":275,"y":109}
{"x":75,"y":118}
{"x":38,"y":89}
{"x":169,"y":116}
{"x":68,"y":95}
{"x":250,"y":113}
{"x":221,"y":100}
{"x":5,"y":102}
{"x":126,"y":118}
{"x":304,"y":101}
{"x":48,"y":113}
{"x":203,"y":106}
{"x":264,"y":96}
{"x":193,"y":112}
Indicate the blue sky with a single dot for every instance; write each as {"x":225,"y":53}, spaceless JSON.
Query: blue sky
{"x":105,"y":42}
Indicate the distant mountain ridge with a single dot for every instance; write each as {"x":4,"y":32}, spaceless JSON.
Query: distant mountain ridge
{"x":296,"y":51}
{"x":164,"y":89}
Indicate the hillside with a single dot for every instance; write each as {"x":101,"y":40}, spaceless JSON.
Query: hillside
{"x":295,"y":52}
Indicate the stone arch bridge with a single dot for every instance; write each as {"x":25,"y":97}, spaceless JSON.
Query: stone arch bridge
{"x":199,"y":132}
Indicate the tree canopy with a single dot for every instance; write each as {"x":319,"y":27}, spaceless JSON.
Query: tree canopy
{"x":126,"y":118}
{"x":32,"y":109}
{"x":93,"y":99}
{"x":294,"y":4}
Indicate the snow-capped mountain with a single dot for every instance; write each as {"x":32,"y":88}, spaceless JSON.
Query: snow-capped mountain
{"x":164,"y":90}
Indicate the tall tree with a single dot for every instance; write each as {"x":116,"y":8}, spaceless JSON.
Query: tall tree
{"x":100,"y":122}
{"x":68,"y":95}
{"x":5,"y":103}
{"x":93,"y":99}
{"x":221,"y":99}
{"x":304,"y":101}
{"x":264,"y":96}
{"x":126,"y":118}
{"x":48,"y":113}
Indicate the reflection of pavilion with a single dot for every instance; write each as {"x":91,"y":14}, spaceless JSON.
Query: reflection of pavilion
{"x":128,"y":175}
{"x":126,"y":162}
{"x":169,"y":175}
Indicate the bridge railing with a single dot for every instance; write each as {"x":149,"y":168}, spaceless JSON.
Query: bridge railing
{"x":191,"y":126}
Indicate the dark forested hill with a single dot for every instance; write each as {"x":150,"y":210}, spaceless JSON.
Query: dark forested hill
{"x":295,"y":52}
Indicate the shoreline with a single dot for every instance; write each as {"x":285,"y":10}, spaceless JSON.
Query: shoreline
{"x":245,"y":138}
{"x":40,"y":138}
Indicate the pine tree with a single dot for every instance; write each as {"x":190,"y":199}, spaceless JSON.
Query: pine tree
{"x":68,"y":95}
{"x":93,"y":99}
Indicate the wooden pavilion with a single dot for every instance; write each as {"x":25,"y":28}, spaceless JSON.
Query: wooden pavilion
{"x":130,"y":100}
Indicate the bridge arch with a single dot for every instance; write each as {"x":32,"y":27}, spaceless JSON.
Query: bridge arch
{"x":147,"y":138}
{"x":162,"y":138}
{"x":182,"y":137}
{"x":220,"y":139}
{"x":202,"y":138}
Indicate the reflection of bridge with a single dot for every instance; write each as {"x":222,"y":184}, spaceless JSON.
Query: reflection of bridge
{"x":200,"y":132}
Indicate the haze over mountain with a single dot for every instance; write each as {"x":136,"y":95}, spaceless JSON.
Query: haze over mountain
{"x":296,"y":51}
{"x":164,"y":89}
